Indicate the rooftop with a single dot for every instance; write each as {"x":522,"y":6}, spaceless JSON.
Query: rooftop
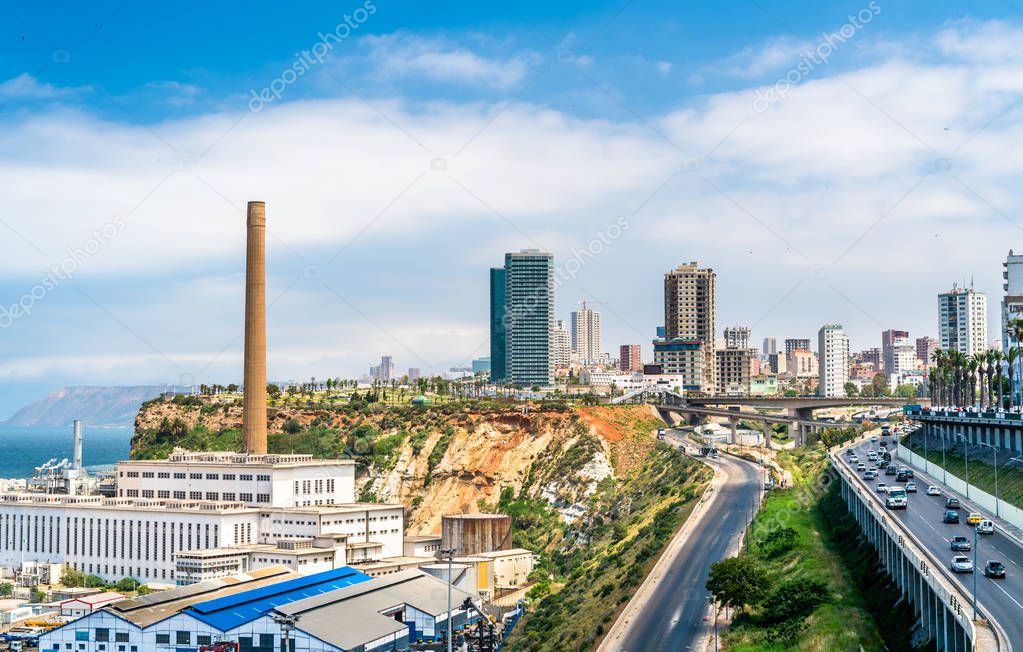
{"x":146,"y":610}
{"x":230,"y":611}
{"x":352,"y":616}
{"x":220,"y":458}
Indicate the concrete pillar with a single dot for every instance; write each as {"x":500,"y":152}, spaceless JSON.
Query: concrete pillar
{"x":254,"y":419}
{"x":733,"y":423}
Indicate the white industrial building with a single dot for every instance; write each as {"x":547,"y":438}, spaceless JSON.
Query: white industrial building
{"x":270,"y":480}
{"x":338,"y":611}
{"x":287,"y":509}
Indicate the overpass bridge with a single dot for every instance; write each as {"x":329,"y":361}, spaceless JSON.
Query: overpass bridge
{"x":799,"y":419}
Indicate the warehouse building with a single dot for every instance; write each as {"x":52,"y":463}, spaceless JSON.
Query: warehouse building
{"x":341,"y":610}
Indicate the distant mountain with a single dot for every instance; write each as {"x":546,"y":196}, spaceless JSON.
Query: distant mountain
{"x":96,"y":406}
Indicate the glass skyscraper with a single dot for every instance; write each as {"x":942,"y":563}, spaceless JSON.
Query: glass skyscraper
{"x":524,"y":315}
{"x":498,"y":309}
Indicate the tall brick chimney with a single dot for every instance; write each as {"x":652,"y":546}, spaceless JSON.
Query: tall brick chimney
{"x":254,"y":420}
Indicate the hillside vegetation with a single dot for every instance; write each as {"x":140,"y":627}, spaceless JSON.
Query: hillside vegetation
{"x":822,"y":588}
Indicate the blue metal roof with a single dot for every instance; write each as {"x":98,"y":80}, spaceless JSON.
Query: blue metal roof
{"x":233,"y":611}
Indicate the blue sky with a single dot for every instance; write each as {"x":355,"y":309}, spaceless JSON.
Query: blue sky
{"x":833,"y":161}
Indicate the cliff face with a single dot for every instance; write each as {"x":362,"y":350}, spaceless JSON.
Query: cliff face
{"x":435,"y":461}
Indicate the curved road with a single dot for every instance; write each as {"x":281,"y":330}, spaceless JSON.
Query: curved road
{"x":673,"y":618}
{"x":1002,"y":599}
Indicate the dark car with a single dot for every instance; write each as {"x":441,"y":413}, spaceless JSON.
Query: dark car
{"x":994,"y":569}
{"x":883,"y":464}
{"x":889,"y":470}
{"x":960,"y":544}
{"x":901,"y":476}
{"x":951,"y":516}
{"x":952,"y":502}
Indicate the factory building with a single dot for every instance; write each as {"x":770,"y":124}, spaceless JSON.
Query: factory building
{"x":341,"y":610}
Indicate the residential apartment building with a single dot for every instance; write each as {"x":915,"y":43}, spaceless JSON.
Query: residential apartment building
{"x":629,"y":358}
{"x":962,"y":320}
{"x":561,"y":345}
{"x":792,"y":344}
{"x":736,"y":337}
{"x":833,"y":363}
{"x":734,"y":368}
{"x":690,"y":316}
{"x":586,"y":334}
{"x":1012,"y":299}
{"x":801,"y":363}
{"x":898,"y":354}
{"x":925,"y":348}
{"x":686,"y":359}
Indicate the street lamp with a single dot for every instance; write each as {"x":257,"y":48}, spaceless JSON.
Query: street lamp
{"x":993,"y":448}
{"x":716,"y":609}
{"x":449,"y":553}
{"x":966,"y":450}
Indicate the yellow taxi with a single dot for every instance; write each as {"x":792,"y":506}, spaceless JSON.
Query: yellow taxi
{"x":974,"y":518}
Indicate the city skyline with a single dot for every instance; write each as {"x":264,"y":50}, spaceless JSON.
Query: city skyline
{"x":189,"y":159}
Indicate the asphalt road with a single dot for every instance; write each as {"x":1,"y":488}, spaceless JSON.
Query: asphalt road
{"x":673,"y":619}
{"x":1001,"y":599}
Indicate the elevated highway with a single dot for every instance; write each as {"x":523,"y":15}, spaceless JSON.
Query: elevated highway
{"x":914,"y":547}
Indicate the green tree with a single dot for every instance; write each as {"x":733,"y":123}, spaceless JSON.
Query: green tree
{"x":880,"y":384}
{"x":127,"y":584}
{"x":737,"y":582}
{"x":795,"y":598}
{"x":906,"y":391}
{"x":851,"y":389}
{"x":36,"y":595}
{"x":6,"y":589}
{"x":72,"y":578}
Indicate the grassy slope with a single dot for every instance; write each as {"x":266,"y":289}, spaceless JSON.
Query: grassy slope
{"x":842,"y":622}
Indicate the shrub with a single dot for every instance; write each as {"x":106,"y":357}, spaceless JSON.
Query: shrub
{"x":794,"y":599}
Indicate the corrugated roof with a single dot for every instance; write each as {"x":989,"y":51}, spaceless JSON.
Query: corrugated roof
{"x":148,"y":609}
{"x":352,"y":616}
{"x":234,"y":610}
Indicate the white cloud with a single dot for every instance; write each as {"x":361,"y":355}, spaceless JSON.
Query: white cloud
{"x":403,"y":56}
{"x":663,"y":67}
{"x":836,"y":166}
{"x":27,"y":87}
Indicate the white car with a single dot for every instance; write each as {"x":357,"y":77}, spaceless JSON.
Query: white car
{"x":933,"y":490}
{"x":961,"y":564}
{"x":882,"y":488}
{"x":985,"y":527}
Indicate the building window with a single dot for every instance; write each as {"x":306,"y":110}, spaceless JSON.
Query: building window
{"x":263,"y":478}
{"x":180,"y":495}
{"x":102,"y":634}
{"x":262,"y":498}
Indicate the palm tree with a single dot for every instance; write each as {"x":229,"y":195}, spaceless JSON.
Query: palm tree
{"x":970,"y":368}
{"x":940,"y":359}
{"x":989,"y":362}
{"x":980,"y":359}
{"x":999,"y":357}
{"x":1011,"y":358}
